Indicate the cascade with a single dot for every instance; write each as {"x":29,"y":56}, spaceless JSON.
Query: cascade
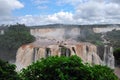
{"x":62,"y":41}
{"x":30,"y":53}
{"x":108,"y":57}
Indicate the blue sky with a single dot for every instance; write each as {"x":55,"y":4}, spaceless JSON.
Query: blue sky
{"x":45,"y":8}
{"x":41,"y":12}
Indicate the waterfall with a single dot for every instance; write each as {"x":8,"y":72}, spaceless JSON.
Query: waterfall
{"x":47,"y":52}
{"x":108,"y":57}
{"x":68,"y":52}
{"x":29,"y":53}
{"x":35,"y":54}
{"x":105,"y":57}
{"x":24,"y":56}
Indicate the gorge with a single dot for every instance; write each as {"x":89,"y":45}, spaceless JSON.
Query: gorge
{"x":67,"y":40}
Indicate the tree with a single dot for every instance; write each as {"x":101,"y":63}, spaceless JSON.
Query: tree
{"x":114,"y":38}
{"x":66,"y":68}
{"x":15,"y":36}
{"x":7,"y":71}
{"x":102,"y":73}
{"x":116,"y":53}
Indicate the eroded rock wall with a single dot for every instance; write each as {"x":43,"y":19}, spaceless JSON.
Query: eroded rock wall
{"x":29,"y":53}
{"x":56,"y":33}
{"x":105,"y":29}
{"x":63,"y":41}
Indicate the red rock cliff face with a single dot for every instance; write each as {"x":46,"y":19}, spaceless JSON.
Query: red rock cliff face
{"x":29,"y":53}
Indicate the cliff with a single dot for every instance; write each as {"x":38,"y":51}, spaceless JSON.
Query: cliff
{"x":105,"y":29}
{"x":68,"y":40}
{"x":56,"y":33}
{"x":84,"y":33}
{"x":27,"y":54}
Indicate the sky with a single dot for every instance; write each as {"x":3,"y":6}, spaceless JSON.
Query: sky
{"x":43,"y":12}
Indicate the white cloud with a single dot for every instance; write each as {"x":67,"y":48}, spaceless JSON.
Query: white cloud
{"x":94,"y":11}
{"x":71,"y":2}
{"x":86,"y":12}
{"x":42,"y":7}
{"x":38,"y":2}
{"x":98,"y":11}
{"x":6,"y":6}
{"x":112,"y":9}
{"x":41,"y":4}
{"x":60,"y":17}
{"x":115,"y":1}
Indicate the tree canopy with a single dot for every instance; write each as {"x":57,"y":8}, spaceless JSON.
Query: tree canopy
{"x":114,"y":38}
{"x":66,"y":68}
{"x":15,"y":36}
{"x":116,"y":53}
{"x":7,"y":71}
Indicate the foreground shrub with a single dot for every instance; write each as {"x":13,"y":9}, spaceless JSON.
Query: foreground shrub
{"x":66,"y":68}
{"x":103,"y":73}
{"x":7,"y":71}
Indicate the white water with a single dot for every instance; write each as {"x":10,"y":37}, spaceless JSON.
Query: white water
{"x":29,"y":53}
{"x":53,"y":38}
{"x":108,"y":57}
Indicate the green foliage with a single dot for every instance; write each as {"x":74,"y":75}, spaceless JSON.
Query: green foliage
{"x":87,"y":35}
{"x":66,"y":68}
{"x":116,"y":53}
{"x":102,"y":73}
{"x":15,"y":36}
{"x":98,"y":43}
{"x":7,"y":71}
{"x":114,"y":38}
